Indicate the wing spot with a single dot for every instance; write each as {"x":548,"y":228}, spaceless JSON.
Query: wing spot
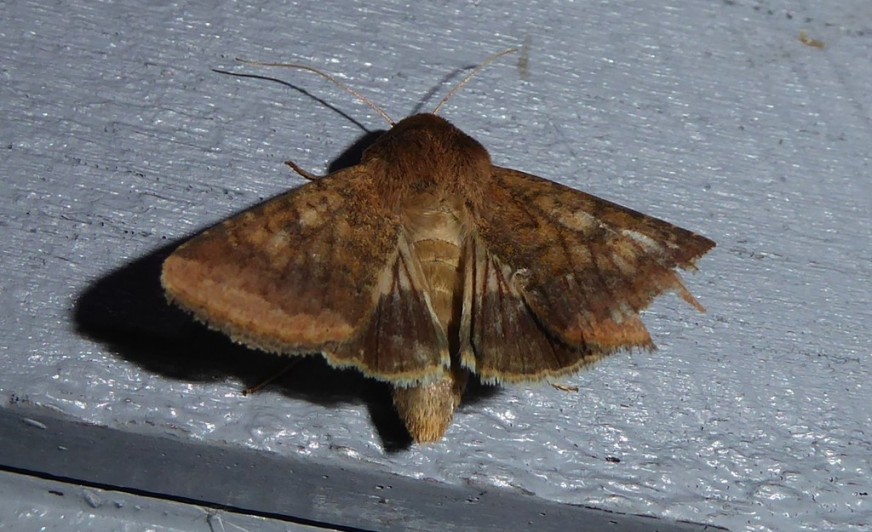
{"x":310,"y":217}
{"x":578,"y":221}
{"x":626,"y":267}
{"x":648,"y":243}
{"x":280,"y":241}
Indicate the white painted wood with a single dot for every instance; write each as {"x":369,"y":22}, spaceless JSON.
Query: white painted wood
{"x":118,"y":140}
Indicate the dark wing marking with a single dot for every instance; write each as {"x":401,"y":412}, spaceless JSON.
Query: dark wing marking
{"x":403,"y":342}
{"x":501,"y":339}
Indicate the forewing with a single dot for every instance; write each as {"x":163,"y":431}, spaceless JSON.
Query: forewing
{"x":315,"y":270}
{"x":578,"y":267}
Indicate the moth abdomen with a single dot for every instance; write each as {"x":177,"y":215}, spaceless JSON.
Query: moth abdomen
{"x":436,"y":230}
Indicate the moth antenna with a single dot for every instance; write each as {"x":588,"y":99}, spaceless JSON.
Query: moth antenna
{"x":303,"y":172}
{"x":369,"y":103}
{"x":471,"y":75}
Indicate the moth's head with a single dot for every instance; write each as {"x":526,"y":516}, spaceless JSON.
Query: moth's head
{"x":427,"y":154}
{"x":431,"y":145}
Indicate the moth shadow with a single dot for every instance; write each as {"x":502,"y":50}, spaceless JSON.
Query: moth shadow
{"x":127,"y":312}
{"x":354,"y":153}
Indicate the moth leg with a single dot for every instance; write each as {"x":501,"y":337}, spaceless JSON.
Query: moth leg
{"x":272,"y":378}
{"x":304,"y":173}
{"x":564,"y":387}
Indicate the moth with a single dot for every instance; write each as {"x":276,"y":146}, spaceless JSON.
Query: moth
{"x":426,"y":263}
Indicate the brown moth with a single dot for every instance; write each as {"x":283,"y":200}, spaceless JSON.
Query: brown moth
{"x":425,"y":262}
